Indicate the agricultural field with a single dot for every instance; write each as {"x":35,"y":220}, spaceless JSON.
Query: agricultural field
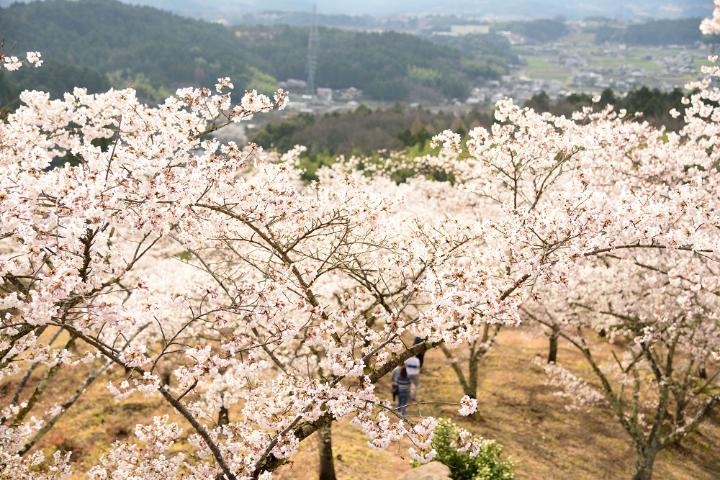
{"x":571,"y":60}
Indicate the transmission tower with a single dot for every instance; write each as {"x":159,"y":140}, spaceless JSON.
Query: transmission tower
{"x":312,"y":60}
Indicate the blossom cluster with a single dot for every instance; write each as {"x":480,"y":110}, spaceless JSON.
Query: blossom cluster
{"x":12,"y":63}
{"x":711,"y":26}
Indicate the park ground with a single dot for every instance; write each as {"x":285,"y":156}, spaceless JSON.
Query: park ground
{"x":516,"y":408}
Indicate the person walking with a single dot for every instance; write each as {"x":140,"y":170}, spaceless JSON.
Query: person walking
{"x":420,"y":356}
{"x":395,"y":376}
{"x":412,"y":365}
{"x":403,"y":391}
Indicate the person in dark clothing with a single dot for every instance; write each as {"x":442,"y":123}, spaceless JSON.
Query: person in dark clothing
{"x":420,"y":356}
{"x":395,"y":376}
{"x":403,"y":391}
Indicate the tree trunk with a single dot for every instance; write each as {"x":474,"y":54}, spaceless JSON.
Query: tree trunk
{"x":28,"y":374}
{"x":41,"y":386}
{"x":456,"y":368}
{"x":472,"y":384}
{"x":69,"y":402}
{"x":552,"y":351}
{"x":223,"y":416}
{"x":644,"y":464}
{"x":326,"y":466}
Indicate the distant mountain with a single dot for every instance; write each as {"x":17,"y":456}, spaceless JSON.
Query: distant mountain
{"x":628,"y":9}
{"x":156,"y":51}
{"x":508,"y":8}
{"x":131,"y":45}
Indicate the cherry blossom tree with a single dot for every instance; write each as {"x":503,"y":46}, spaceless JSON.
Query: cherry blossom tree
{"x":262,"y":308}
{"x":274,"y":305}
{"x":530,"y":160}
{"x":711,"y":26}
{"x":635,"y":266}
{"x":652,"y":305}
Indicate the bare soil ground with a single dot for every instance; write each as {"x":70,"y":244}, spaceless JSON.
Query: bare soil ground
{"x":515,"y":407}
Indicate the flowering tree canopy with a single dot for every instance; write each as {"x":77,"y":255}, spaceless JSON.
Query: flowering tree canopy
{"x":262,"y":308}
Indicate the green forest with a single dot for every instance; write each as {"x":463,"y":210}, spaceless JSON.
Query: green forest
{"x":156,"y":52}
{"x":652,"y":104}
{"x":365,"y":131}
{"x":54,"y":77}
{"x":683,"y":31}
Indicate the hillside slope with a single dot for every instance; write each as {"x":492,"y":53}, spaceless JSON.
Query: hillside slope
{"x":114,"y":38}
{"x":159,"y":51}
{"x":516,"y":407}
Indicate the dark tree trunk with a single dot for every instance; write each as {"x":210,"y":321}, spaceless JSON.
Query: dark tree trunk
{"x":165,"y":377}
{"x":326,"y":465}
{"x":644,"y":464}
{"x":680,"y":408}
{"x":472,"y":384}
{"x":552,"y":351}
{"x":223,"y":416}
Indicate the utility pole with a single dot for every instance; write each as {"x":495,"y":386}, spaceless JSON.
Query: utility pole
{"x":313,"y":45}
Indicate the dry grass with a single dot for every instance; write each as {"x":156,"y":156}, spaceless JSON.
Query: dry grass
{"x":515,"y":408}
{"x":543,"y":440}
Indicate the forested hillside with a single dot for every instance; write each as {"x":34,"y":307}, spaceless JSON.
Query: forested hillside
{"x":55,"y":77}
{"x":125,"y":42}
{"x":364,"y":130}
{"x":387,"y":66}
{"x":651,"y":105}
{"x":156,"y":51}
{"x":543,"y":30}
{"x":681,"y":31}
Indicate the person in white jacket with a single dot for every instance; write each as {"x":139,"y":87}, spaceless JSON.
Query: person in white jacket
{"x":412,"y":365}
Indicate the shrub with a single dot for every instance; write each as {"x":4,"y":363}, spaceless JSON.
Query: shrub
{"x":469,"y":457}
